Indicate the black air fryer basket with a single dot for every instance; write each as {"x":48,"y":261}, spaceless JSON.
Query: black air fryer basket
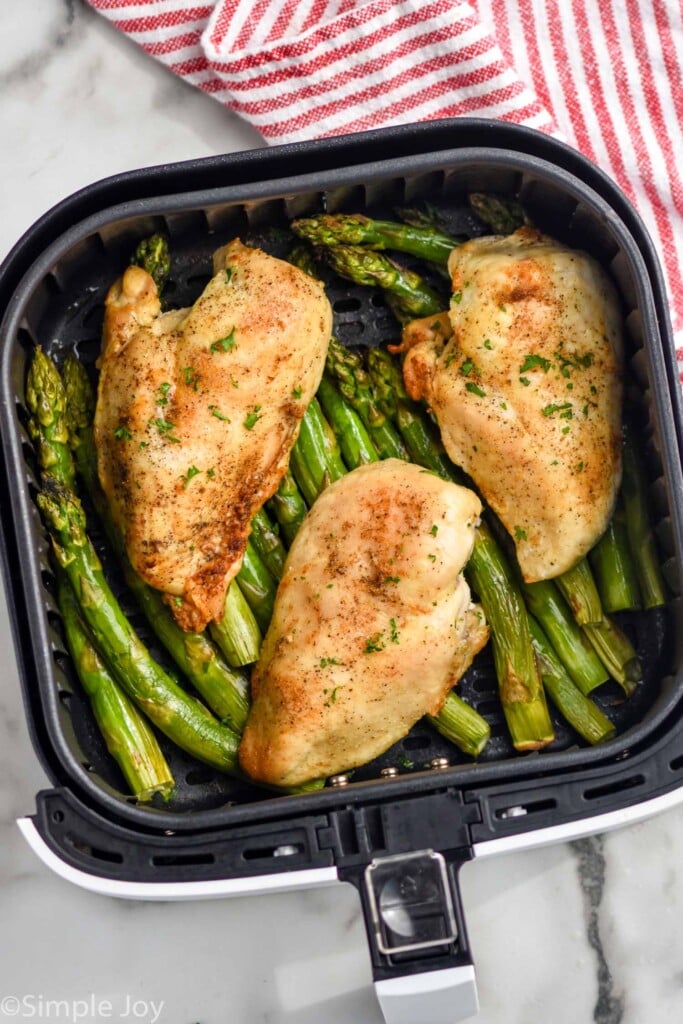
{"x":399,"y":840}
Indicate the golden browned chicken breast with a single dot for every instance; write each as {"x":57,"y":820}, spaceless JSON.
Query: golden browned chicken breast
{"x":197,"y":412}
{"x":373,"y":624}
{"x":526,"y":387}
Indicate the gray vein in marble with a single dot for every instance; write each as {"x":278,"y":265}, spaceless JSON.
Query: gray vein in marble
{"x":28,"y":66}
{"x":609,"y":1008}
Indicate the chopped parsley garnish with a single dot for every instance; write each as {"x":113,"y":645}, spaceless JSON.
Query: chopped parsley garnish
{"x":532,"y":361}
{"x":502,"y":308}
{"x":190,"y":376}
{"x":178,"y":602}
{"x":225,"y":344}
{"x":475,"y":389}
{"x":296,"y":392}
{"x":487,"y":344}
{"x":374,"y":643}
{"x":324,"y":662}
{"x":580,"y":466}
{"x":456,"y":298}
{"x":215,"y":411}
{"x":253,"y":417}
{"x":229,"y":271}
{"x":192,"y":471}
{"x":394,"y":631}
{"x":565,"y":430}
{"x":432,"y":558}
{"x":122,"y":434}
{"x":434,"y":530}
{"x":520,"y":534}
{"x":405,"y":762}
{"x":503,"y":405}
{"x":392,"y":579}
{"x":525,"y":381}
{"x":569,"y":363}
{"x":467,"y":368}
{"x":565,"y":410}
{"x":211,"y":473}
{"x":165,"y":428}
{"x":162,"y":396}
{"x":332,"y":697}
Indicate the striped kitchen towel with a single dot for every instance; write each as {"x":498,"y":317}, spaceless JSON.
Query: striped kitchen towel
{"x":606,"y":75}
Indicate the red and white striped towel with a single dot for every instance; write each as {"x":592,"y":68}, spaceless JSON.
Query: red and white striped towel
{"x":607,"y":75}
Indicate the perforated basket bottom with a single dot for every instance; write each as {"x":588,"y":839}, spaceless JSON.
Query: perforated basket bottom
{"x":72,"y":321}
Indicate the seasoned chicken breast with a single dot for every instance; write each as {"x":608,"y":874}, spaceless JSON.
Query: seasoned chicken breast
{"x":197,"y":412}
{"x":373,"y":624}
{"x":526,"y":385}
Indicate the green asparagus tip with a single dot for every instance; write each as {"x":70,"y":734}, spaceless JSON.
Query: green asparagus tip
{"x":154,"y":256}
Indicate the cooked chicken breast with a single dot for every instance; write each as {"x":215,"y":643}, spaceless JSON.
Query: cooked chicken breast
{"x":197,"y":412}
{"x":373,"y":624}
{"x":526,"y":387}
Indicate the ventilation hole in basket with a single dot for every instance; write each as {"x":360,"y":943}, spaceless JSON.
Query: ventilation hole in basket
{"x":55,"y":620}
{"x":88,"y":767}
{"x":199,"y":777}
{"x":266,"y":852}
{"x":88,"y":349}
{"x":377,"y":299}
{"x":522,"y":810}
{"x":25,"y":339}
{"x":614,"y":787}
{"x":676,"y":764}
{"x":482,"y":685}
{"x":164,"y":860}
{"x":58,"y":817}
{"x":348,"y":326}
{"x":348,"y":305}
{"x":48,"y":580}
{"x":417,"y":742}
{"x":65,"y":697}
{"x":111,"y":856}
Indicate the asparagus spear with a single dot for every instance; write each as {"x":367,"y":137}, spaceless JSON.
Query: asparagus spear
{"x":578,"y":657}
{"x":266,"y":540}
{"x":355,"y":229}
{"x":353,"y":381}
{"x":356,"y":447}
{"x":616,"y":652}
{"x":153,"y":255}
{"x":288,"y":507}
{"x":580,"y":712}
{"x":258,"y":587}
{"x":640,"y":535}
{"x":128,"y":737}
{"x":222,"y":688}
{"x":372,"y":269}
{"x":184,"y":720}
{"x":521,"y":691}
{"x":613,"y":567}
{"x":315,"y":460}
{"x":502,"y":214}
{"x":578,"y":588}
{"x":462,"y":725}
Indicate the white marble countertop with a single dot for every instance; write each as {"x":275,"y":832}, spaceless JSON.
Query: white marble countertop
{"x":589,"y":931}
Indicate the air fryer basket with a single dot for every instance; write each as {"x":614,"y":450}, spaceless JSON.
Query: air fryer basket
{"x":58,"y":303}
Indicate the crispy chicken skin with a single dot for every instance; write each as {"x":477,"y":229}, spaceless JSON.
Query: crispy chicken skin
{"x":197,"y":412}
{"x":526,"y":388}
{"x":373,"y":624}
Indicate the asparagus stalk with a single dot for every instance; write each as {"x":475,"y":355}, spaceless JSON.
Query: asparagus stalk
{"x":48,"y":427}
{"x":581,"y":713}
{"x":127,"y":735}
{"x":578,"y":588}
{"x":640,"y":535}
{"x":185,"y":721}
{"x":363,"y":266}
{"x":356,"y":447}
{"x":616,"y":652}
{"x":288,"y":507}
{"x":258,"y":587}
{"x":578,"y":657}
{"x":355,"y":229}
{"x":613,"y":567}
{"x":315,"y":460}
{"x":267,"y":544}
{"x":224,"y":690}
{"x":502,"y":214}
{"x":520,"y":686}
{"x":347,"y":368}
{"x":462,"y":725}
{"x":237,"y":633}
